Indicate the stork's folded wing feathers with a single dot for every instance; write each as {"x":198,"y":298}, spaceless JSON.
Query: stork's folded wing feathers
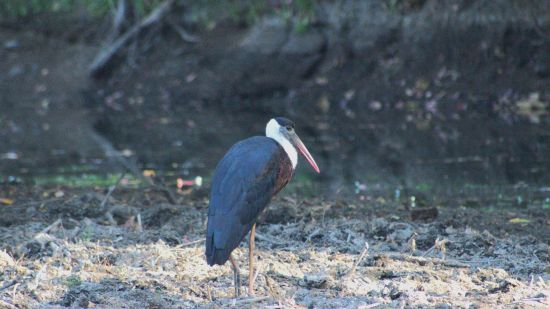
{"x":243,"y":184}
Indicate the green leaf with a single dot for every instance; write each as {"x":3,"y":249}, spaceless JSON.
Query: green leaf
{"x":519,"y":220}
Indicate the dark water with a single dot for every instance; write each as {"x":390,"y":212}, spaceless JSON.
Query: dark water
{"x":99,"y":172}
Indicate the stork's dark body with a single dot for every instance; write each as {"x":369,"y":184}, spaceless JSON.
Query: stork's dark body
{"x":245,"y":180}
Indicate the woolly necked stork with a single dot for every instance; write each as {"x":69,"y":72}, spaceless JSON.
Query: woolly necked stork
{"x":245,"y":180}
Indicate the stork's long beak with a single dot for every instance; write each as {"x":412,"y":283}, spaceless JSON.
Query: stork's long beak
{"x":303,"y":150}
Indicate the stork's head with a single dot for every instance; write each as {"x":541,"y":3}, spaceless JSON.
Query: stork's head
{"x":282,"y":130}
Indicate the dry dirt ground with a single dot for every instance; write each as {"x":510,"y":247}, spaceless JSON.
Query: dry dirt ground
{"x":63,"y":248}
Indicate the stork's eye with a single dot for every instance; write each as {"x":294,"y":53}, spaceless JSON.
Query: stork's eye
{"x":289,"y":128}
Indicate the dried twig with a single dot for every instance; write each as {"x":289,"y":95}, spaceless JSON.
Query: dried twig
{"x":50,"y":227}
{"x":139,"y":225}
{"x":7,"y":285}
{"x":430,"y":250}
{"x":541,"y":300}
{"x":6,"y":305}
{"x":423,"y":260}
{"x":110,"y":218}
{"x":209,"y":293}
{"x":111,"y":189}
{"x":187,"y":244}
{"x":412,"y":243}
{"x":184,"y":35}
{"x":257,"y":273}
{"x":316,"y":232}
{"x":361,"y":257}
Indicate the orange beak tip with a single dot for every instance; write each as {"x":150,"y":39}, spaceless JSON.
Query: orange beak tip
{"x":316,"y":168}
{"x":303,"y":150}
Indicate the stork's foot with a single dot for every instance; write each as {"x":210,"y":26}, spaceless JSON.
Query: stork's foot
{"x":251,"y":292}
{"x":236,"y":276}
{"x":237,"y":281}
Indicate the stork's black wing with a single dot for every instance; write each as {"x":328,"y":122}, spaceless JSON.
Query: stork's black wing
{"x":243,"y":184}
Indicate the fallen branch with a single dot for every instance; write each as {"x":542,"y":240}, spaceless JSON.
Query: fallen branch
{"x":107,"y":53}
{"x":118,"y":19}
{"x":538,"y":27}
{"x":111,"y":152}
{"x":422,"y":260}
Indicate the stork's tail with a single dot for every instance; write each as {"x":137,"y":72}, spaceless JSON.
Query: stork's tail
{"x":213,"y":254}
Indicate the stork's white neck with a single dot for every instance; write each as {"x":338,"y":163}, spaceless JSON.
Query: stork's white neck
{"x":273,"y":130}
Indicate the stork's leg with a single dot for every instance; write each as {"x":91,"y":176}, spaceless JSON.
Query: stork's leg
{"x":251,"y":261}
{"x":236,"y":276}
